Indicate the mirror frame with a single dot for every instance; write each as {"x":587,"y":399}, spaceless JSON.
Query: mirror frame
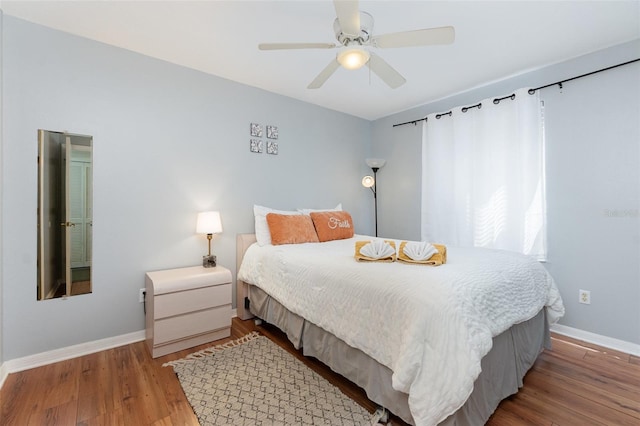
{"x":64,"y":214}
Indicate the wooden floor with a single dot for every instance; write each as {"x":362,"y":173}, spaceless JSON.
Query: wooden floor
{"x":574,"y":384}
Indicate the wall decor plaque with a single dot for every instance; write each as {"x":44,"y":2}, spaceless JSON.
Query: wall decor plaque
{"x":272,"y":132}
{"x":255,"y":145}
{"x":256,"y":130}
{"x":272,"y":147}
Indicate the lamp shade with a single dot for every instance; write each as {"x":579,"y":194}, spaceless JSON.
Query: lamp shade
{"x":368,"y":181}
{"x":353,"y":58}
{"x":209,"y":223}
{"x":375,"y":162}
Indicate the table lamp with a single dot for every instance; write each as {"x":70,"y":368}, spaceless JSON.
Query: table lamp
{"x":209,"y":223}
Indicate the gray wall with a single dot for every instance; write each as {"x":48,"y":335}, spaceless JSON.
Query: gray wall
{"x":168,"y":142}
{"x":1,"y":186}
{"x":593,"y":183}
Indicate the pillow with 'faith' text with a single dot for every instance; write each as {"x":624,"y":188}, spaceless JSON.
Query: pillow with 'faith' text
{"x":332,"y":225}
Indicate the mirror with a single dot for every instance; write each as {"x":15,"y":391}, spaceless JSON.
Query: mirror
{"x":65,"y":212}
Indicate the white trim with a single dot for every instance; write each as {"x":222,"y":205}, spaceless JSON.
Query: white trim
{"x":607,"y":342}
{"x":3,"y":373}
{"x":56,"y":355}
{"x":49,"y":357}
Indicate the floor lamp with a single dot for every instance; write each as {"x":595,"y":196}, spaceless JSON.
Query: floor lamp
{"x":370,"y":182}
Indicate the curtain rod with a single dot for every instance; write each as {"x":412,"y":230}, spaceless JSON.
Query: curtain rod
{"x":531,"y":91}
{"x":464,"y":109}
{"x":414,"y":122}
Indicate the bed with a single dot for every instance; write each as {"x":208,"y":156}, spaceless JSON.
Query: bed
{"x":433,"y":345}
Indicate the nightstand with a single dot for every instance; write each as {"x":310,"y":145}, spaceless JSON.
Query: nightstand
{"x":186,"y":307}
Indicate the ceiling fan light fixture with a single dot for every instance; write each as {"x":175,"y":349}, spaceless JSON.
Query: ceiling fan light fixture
{"x":353,"y":58}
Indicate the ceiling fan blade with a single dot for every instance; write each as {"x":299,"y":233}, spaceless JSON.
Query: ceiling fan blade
{"x":324,"y":75}
{"x":385,"y":71}
{"x":348,"y":13}
{"x":282,"y":46}
{"x":425,"y":37}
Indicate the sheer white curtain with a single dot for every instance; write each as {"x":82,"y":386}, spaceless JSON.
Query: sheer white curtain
{"x":483,"y":176}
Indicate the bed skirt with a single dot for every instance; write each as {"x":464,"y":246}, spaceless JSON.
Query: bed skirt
{"x":503,"y":368}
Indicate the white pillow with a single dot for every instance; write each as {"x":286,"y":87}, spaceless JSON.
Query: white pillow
{"x":263,"y":235}
{"x":338,"y":208}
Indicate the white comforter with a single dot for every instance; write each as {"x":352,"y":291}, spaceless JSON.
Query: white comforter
{"x":429,"y":325}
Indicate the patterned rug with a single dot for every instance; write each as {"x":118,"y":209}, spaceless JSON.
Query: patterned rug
{"x":253,"y":381}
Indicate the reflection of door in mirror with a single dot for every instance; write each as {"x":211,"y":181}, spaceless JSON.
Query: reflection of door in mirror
{"x":65,"y":211}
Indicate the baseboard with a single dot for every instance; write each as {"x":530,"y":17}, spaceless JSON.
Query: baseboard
{"x":49,"y":357}
{"x":607,"y":342}
{"x":3,"y":373}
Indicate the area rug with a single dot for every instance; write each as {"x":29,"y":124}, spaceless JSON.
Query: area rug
{"x":253,"y":381}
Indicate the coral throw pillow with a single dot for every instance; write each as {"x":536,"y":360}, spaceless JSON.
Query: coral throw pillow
{"x":291,"y":229}
{"x":332,"y":225}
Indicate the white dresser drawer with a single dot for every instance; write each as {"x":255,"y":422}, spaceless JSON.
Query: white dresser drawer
{"x":191,"y":324}
{"x":171,"y":304}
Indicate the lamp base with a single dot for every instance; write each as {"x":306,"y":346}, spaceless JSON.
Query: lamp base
{"x":209,"y":261}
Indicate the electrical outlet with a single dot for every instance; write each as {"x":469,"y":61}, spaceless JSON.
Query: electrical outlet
{"x":584,"y":297}
{"x":141,"y":295}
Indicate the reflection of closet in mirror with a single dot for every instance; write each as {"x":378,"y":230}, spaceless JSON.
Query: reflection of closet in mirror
{"x":65,"y":211}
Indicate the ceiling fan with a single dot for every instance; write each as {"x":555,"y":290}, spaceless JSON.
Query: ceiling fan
{"x":353,"y":30}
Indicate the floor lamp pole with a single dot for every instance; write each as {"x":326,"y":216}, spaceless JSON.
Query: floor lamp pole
{"x":375,"y":196}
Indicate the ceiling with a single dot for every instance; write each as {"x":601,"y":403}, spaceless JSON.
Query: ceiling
{"x":494,"y":40}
